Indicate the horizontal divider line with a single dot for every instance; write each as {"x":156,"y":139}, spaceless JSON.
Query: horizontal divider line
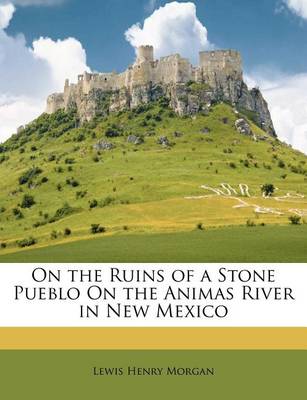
{"x":153,"y":338}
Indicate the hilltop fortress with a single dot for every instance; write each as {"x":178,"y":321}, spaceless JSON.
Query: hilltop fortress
{"x":218,"y":77}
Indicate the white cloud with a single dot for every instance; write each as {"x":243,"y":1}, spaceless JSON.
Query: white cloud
{"x":15,"y":111}
{"x":173,"y":28}
{"x":287,"y":99}
{"x":29,"y":74}
{"x":66,"y":58}
{"x":298,"y":7}
{"x":6,"y":14}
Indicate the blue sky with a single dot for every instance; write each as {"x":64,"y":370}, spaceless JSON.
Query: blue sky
{"x":263,"y":35}
{"x":42,"y":45}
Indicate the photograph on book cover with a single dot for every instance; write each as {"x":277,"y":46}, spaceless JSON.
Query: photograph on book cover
{"x":153,"y":198}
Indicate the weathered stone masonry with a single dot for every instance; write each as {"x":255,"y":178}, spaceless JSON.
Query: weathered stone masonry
{"x":219,"y":75}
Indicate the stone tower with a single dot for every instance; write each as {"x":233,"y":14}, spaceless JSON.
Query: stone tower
{"x":145,"y":53}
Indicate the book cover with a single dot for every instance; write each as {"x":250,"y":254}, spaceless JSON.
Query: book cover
{"x":153,"y":199}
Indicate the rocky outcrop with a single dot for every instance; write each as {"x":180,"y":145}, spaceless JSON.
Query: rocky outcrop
{"x":243,"y":127}
{"x":163,"y":141}
{"x":103,"y":145}
{"x":184,"y":99}
{"x":253,"y":101}
{"x":136,"y":140}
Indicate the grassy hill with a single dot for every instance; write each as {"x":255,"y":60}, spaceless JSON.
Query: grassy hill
{"x":55,"y":185}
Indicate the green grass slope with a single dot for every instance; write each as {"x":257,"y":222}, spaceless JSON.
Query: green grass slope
{"x":55,"y":185}
{"x":236,"y":244}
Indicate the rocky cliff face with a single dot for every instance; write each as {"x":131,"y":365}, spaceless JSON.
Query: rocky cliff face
{"x":184,"y":99}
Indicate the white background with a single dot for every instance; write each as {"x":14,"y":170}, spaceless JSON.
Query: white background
{"x":261,"y":313}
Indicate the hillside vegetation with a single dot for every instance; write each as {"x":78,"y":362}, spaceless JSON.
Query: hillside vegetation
{"x":141,"y":171}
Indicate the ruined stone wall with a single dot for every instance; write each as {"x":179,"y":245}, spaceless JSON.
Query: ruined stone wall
{"x":71,"y":93}
{"x":215,"y":68}
{"x":105,"y":81}
{"x":141,"y":74}
{"x":55,"y":102}
{"x":172,"y":69}
{"x":220,"y":62}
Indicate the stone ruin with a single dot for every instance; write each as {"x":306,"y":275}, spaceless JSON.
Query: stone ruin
{"x":218,"y":77}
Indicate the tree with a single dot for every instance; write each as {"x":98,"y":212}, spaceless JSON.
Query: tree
{"x":295,"y":220}
{"x":268,"y":189}
{"x":27,"y":201}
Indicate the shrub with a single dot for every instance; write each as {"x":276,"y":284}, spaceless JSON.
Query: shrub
{"x":93,"y":203}
{"x":295,"y":220}
{"x":96,"y":228}
{"x":17,"y":213}
{"x":96,"y":159}
{"x":3,"y":159}
{"x":3,"y":245}
{"x":62,"y":212}
{"x":70,"y":161}
{"x":54,"y":235}
{"x":200,"y":226}
{"x":281,"y":164}
{"x":28,"y":175}
{"x":81,"y":195}
{"x":26,"y":242}
{"x":250,"y":223}
{"x":44,"y":179}
{"x":67,"y":232}
{"x":140,"y":109}
{"x":59,"y":170}
{"x":80,"y":137}
{"x":107,"y":201}
{"x":164,"y":102}
{"x":268,"y":189}
{"x":27,"y":201}
{"x":72,"y":182}
{"x":267,"y":166}
{"x":59,"y":187}
{"x":39,"y":223}
{"x":51,"y":157}
{"x":232,"y":165}
{"x":111,"y":133}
